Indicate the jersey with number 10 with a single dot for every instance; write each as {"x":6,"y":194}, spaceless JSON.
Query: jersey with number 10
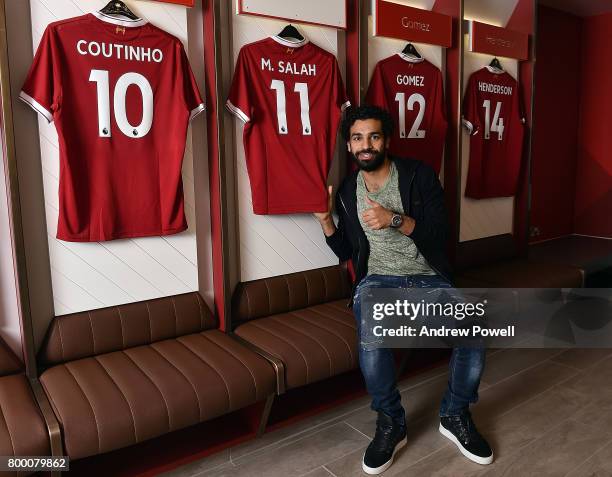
{"x":412,"y":91}
{"x":290,"y":95}
{"x":493,"y":115}
{"x":121,"y":94}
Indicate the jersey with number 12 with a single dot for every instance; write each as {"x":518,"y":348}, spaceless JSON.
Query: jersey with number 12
{"x":290,"y":96}
{"x":412,"y":91}
{"x":493,"y":115}
{"x":121,"y":94}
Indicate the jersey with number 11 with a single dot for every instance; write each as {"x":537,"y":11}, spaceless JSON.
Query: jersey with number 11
{"x":290,"y":95}
{"x":121,"y":94}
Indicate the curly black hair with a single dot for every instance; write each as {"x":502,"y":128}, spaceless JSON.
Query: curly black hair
{"x":361,"y":113}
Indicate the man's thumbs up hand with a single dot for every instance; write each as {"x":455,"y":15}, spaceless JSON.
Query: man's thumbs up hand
{"x":376,"y":217}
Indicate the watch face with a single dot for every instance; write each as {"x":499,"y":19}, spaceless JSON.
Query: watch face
{"x":396,"y":220}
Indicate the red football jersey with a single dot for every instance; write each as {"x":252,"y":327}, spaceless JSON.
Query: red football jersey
{"x":121,"y":94}
{"x":290,"y":96}
{"x":493,"y":114}
{"x":412,"y":91}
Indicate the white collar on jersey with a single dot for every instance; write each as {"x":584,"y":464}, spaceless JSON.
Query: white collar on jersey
{"x":294,"y":43}
{"x":410,"y":59}
{"x":494,"y":70}
{"x":115,"y":21}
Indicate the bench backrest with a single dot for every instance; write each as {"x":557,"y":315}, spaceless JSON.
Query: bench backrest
{"x":284,"y":293}
{"x":9,"y":363}
{"x":95,"y":332}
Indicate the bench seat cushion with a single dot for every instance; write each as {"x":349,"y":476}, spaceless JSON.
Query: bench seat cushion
{"x":22,"y":428}
{"x":117,"y":399}
{"x":314,"y":343}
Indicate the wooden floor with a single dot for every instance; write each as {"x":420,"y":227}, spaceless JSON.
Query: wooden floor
{"x":545,"y":412}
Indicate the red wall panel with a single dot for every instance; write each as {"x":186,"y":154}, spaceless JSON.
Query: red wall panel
{"x":522,"y":20}
{"x":556,"y":108}
{"x":593,"y":203}
{"x":451,"y":160}
{"x":213,"y":163}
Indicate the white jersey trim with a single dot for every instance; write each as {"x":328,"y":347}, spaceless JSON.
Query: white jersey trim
{"x":36,"y":106}
{"x":410,"y":59}
{"x":292,"y":43}
{"x":197,"y":110}
{"x":115,"y":21}
{"x":237,"y":112}
{"x":469,"y":126}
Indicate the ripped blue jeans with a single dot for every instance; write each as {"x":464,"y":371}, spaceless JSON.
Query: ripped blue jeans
{"x":378,"y":366}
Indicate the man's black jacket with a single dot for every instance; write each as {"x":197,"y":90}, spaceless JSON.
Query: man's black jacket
{"x":422,"y":199}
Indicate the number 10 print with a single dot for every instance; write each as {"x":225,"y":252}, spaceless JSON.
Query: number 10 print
{"x":100,"y":77}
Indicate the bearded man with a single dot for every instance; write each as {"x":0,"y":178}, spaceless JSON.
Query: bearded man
{"x":393,"y":226}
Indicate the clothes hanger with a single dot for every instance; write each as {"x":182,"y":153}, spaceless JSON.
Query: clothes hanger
{"x":290,"y":32}
{"x":496,"y":64}
{"x":410,"y":50}
{"x":117,"y":7}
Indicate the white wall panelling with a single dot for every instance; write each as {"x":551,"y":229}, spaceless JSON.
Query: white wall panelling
{"x":322,"y":12}
{"x":273,"y":245}
{"x":493,"y":12}
{"x":422,"y":4}
{"x":484,"y":217}
{"x":95,"y":275}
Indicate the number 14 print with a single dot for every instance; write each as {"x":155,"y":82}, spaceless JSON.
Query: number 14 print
{"x":498,"y":123}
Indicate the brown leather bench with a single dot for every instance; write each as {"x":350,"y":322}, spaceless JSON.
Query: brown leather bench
{"x":301,"y":322}
{"x":119,"y":376}
{"x":521,"y":273}
{"x":22,"y":428}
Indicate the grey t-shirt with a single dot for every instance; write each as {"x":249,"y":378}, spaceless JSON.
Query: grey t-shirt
{"x":391,"y":252}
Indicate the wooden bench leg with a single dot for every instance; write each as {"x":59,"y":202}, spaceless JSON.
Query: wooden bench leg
{"x":277,"y":364}
{"x":53,"y":427}
{"x":265,"y":415}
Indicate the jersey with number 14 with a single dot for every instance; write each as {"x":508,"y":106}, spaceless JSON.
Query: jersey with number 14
{"x":290,"y":95}
{"x":493,"y":115}
{"x":121,"y":94}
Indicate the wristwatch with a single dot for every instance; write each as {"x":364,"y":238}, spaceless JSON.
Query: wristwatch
{"x":396,"y":221}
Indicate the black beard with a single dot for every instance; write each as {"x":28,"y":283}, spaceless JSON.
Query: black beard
{"x":372,"y":164}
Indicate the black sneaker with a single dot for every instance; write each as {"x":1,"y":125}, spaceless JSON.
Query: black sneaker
{"x":462,"y":431}
{"x":389,"y":438}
